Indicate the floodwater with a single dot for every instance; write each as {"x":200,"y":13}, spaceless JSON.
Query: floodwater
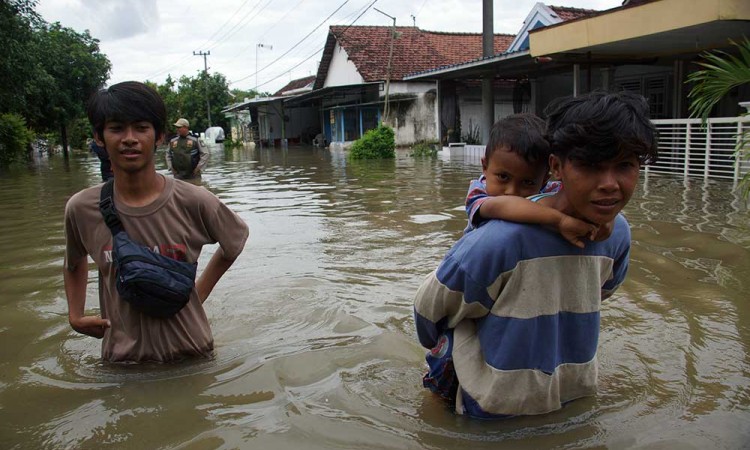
{"x":315,"y":344}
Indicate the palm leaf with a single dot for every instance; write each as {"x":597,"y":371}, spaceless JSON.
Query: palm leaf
{"x":721,"y":72}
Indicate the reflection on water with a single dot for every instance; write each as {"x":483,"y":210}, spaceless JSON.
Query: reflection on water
{"x":314,"y":335}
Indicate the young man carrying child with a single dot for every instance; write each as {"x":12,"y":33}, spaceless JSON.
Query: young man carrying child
{"x":170,"y":217}
{"x":511,"y":315}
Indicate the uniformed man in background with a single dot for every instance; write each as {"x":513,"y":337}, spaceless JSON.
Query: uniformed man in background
{"x":185,"y":156}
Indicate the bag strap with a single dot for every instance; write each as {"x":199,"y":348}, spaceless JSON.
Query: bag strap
{"x":107,"y":208}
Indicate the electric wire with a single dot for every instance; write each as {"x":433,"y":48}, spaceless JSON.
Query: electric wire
{"x":166,"y":69}
{"x":294,"y":46}
{"x":316,"y":51}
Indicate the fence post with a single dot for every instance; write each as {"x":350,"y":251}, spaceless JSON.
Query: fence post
{"x":688,"y":126}
{"x":737,"y":158}
{"x":708,"y":150}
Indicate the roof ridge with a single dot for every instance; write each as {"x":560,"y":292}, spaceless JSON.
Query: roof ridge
{"x":572,"y":8}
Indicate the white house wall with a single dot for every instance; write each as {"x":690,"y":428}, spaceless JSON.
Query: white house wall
{"x":414,"y":119}
{"x":342,"y":71}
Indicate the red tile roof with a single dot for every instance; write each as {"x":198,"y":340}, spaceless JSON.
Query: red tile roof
{"x":565,"y":13}
{"x":295,"y":84}
{"x":414,"y":50}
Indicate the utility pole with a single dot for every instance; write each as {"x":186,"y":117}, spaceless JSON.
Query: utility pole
{"x":386,"y":109}
{"x":488,"y":50}
{"x":205,"y":81}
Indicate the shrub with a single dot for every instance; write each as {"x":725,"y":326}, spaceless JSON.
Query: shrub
{"x":424,"y":148}
{"x":379,"y":143}
{"x":14,"y":138}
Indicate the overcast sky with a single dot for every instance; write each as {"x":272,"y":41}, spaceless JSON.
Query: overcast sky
{"x":149,"y":39}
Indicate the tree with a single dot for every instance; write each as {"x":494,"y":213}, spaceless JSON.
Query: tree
{"x":75,"y":69}
{"x":17,"y":69}
{"x":47,"y":72}
{"x":187,"y":99}
{"x":721,"y":73}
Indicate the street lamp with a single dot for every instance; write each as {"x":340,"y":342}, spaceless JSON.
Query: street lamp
{"x":386,"y":109}
{"x":270,"y":47}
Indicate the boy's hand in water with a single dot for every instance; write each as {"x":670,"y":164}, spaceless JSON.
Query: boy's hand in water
{"x":575,"y":230}
{"x":93,"y":326}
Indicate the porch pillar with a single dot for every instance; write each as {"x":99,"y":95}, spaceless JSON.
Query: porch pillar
{"x":678,"y":84}
{"x":534,"y":100}
{"x":576,"y":80}
{"x":607,"y":76}
{"x":488,"y":108}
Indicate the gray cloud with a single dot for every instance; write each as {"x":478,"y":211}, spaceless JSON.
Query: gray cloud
{"x":122,"y":18}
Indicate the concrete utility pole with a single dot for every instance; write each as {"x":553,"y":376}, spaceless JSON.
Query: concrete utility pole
{"x":205,"y":81}
{"x":387,"y":109}
{"x":488,"y":49}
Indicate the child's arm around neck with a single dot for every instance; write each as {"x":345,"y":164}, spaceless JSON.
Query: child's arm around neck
{"x":523,"y":210}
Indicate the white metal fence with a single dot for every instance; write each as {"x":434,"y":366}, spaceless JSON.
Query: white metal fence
{"x":689,"y":148}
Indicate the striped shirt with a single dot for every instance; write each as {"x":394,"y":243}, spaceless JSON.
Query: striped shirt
{"x":523,"y":304}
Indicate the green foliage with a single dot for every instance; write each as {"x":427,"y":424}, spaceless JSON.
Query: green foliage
{"x":187,"y":98}
{"x":473,"y":135}
{"x":15,"y":138}
{"x":47,"y":72}
{"x":17,"y":18}
{"x":424,"y":148}
{"x":78,"y":132}
{"x":721,"y":73}
{"x":378,"y":143}
{"x":229,"y":143}
{"x":241,"y":95}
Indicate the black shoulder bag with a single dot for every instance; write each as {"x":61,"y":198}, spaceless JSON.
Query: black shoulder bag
{"x":152,"y":283}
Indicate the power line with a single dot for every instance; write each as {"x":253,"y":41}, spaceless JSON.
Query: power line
{"x":263,"y":35}
{"x":242,"y":23}
{"x":205,"y":44}
{"x":316,"y":51}
{"x":295,"y":45}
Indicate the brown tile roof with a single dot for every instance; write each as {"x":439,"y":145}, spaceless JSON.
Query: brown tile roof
{"x":414,"y":50}
{"x":565,"y":13}
{"x":295,"y":84}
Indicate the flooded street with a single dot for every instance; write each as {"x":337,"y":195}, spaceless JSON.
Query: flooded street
{"x":314,"y":336}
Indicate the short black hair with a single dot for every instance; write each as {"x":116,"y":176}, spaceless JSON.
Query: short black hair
{"x":522,"y":134}
{"x":129,"y":101}
{"x":600,"y":125}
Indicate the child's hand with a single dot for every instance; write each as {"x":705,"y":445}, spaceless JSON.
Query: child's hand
{"x":575,"y":231}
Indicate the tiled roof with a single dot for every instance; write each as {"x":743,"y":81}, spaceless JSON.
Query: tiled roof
{"x":565,"y":13}
{"x":295,"y":84}
{"x":414,"y":50}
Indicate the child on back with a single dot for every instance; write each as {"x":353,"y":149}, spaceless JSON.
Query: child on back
{"x":511,"y":315}
{"x":515,"y":166}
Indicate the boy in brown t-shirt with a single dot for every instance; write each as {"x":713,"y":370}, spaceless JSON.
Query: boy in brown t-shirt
{"x":169,"y":216}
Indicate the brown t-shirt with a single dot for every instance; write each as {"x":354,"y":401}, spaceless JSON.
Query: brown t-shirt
{"x":178,"y":224}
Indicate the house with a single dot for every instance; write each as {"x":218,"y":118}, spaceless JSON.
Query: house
{"x":645,"y":46}
{"x":270,"y":122}
{"x":516,"y":84}
{"x":358,"y":71}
